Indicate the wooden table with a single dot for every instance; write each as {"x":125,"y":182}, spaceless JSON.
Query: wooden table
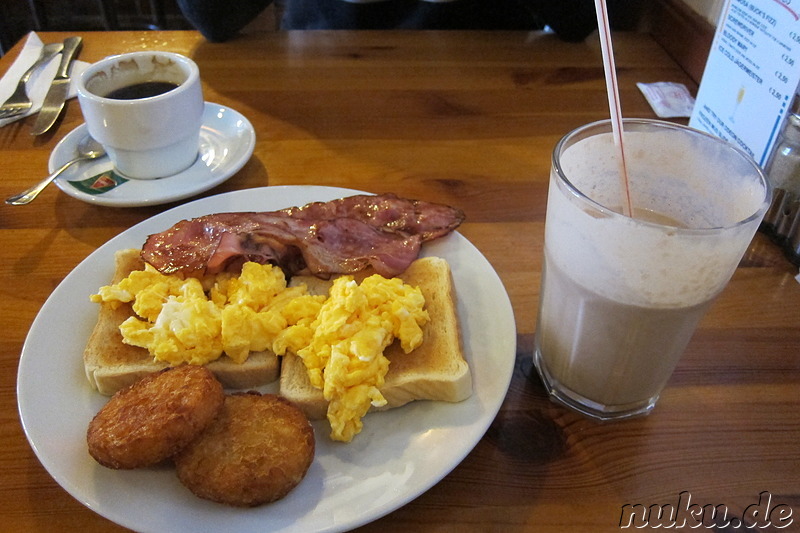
{"x":468,"y":119}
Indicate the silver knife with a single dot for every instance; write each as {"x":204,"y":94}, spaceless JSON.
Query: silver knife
{"x":57,"y":94}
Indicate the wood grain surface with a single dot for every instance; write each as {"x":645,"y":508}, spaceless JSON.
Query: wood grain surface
{"x":468,"y":119}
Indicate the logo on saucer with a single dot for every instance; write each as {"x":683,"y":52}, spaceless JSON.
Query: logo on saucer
{"x":100,"y":183}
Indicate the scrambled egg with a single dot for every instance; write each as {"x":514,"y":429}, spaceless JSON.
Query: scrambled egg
{"x":341,"y":338}
{"x":188,"y":320}
{"x":345,"y":356}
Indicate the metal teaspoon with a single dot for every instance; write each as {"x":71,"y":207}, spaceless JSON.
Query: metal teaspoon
{"x":88,"y":149}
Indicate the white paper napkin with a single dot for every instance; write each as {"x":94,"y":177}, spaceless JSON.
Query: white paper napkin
{"x":668,"y":99}
{"x":41,"y":79}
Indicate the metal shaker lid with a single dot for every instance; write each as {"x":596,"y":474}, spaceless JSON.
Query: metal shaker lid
{"x":795,"y":109}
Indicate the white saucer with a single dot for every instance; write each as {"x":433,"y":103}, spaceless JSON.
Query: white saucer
{"x":227,"y":140}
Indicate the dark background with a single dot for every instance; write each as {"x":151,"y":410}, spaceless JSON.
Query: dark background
{"x":18,"y":17}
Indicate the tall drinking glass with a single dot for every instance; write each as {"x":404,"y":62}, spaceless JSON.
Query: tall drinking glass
{"x":621,"y":296}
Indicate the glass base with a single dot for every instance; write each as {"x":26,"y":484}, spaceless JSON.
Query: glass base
{"x":585,"y":406}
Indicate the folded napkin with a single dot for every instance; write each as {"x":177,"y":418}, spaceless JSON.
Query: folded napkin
{"x":41,"y":79}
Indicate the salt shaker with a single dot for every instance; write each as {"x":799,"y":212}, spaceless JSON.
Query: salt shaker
{"x":782,"y":220}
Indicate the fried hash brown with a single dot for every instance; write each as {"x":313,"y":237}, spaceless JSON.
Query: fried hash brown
{"x":154,"y":418}
{"x":256,"y":451}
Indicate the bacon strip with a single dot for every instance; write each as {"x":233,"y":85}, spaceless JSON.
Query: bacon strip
{"x":323,"y":238}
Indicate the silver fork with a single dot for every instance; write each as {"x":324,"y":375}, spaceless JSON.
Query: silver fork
{"x":19,"y":102}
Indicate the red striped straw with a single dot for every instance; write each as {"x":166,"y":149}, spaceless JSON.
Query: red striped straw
{"x":613,"y":99}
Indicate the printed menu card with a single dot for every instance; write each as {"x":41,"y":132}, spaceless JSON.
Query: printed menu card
{"x":752,"y":74}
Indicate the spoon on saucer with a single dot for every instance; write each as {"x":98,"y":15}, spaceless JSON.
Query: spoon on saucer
{"x":88,"y":149}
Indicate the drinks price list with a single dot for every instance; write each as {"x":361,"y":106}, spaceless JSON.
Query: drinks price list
{"x":752,"y":74}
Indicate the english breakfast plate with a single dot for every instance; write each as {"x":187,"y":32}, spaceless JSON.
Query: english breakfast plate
{"x":227,"y":140}
{"x":400,"y":453}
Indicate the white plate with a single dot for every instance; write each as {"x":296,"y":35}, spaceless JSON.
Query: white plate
{"x":400,"y":453}
{"x":227,"y":140}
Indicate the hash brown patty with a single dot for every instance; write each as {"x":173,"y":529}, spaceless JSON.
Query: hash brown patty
{"x":152,"y":419}
{"x":257,"y":450}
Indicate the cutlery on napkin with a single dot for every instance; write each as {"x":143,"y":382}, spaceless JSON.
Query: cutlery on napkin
{"x":40,"y":81}
{"x":58,"y":92}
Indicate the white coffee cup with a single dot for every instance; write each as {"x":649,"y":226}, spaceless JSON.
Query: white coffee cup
{"x":145,"y":137}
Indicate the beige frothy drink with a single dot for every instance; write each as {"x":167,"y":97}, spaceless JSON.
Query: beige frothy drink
{"x":621,"y":296}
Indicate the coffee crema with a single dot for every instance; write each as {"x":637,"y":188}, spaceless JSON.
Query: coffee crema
{"x":145,"y":89}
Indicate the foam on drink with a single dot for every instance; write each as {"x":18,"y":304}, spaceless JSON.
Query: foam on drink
{"x":662,"y":267}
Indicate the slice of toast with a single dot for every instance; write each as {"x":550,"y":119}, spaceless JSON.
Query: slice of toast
{"x":111,"y":364}
{"x":436,"y":370}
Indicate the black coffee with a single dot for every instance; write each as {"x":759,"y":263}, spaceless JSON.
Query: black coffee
{"x":142,"y":90}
